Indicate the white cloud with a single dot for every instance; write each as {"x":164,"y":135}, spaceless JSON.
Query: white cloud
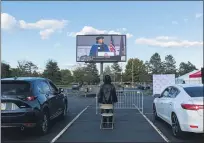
{"x":129,"y":35}
{"x":199,"y":15}
{"x":45,"y":34}
{"x":164,"y":38}
{"x":91,"y":30}
{"x":8,"y":22}
{"x":167,"y":42}
{"x":46,"y":26}
{"x":174,"y":22}
{"x":122,"y":29}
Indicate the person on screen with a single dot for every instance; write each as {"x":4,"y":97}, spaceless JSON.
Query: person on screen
{"x":99,"y":46}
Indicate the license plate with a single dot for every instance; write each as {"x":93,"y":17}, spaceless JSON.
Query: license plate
{"x":3,"y":106}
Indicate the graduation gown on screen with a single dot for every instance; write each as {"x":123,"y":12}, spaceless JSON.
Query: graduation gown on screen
{"x":98,"y":48}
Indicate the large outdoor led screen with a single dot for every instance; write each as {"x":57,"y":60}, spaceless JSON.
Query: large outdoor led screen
{"x":101,"y":48}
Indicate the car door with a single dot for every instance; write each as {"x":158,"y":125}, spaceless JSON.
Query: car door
{"x":50,"y":98}
{"x":158,"y":103}
{"x":59,"y":97}
{"x":169,"y":103}
{"x":163,"y":98}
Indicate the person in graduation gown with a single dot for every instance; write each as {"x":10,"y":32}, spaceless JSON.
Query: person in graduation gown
{"x":98,"y":47}
{"x":107,"y":95}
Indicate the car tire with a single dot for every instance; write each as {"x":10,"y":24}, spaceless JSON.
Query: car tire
{"x":176,"y":130}
{"x":155,"y":116}
{"x":43,"y":126}
{"x":64,"y":113}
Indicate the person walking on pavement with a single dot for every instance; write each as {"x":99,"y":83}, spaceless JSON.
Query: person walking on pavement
{"x":107,"y":95}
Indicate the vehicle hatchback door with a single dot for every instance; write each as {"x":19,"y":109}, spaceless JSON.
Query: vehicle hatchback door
{"x":13,"y":94}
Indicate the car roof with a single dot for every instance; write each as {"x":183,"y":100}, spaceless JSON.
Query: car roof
{"x":188,"y":85}
{"x":23,"y":79}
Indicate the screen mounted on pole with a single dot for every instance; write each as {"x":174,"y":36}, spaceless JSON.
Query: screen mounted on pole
{"x":101,"y":48}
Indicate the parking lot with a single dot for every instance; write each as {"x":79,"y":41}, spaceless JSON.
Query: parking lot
{"x":131,"y":126}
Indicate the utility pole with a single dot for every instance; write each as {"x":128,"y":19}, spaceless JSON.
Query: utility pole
{"x":132,"y":73}
{"x":121,"y":76}
{"x":101,"y":73}
{"x":114,"y":77}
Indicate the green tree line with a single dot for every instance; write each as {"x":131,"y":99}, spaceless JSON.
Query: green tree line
{"x":88,"y":73}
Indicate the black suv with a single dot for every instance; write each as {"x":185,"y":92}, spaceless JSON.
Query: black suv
{"x":31,"y":102}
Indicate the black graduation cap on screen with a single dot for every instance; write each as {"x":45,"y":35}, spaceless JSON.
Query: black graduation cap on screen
{"x":99,"y":37}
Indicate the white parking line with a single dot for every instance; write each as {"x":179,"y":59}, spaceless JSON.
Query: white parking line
{"x":148,"y":113}
{"x":70,"y":123}
{"x":145,"y":113}
{"x":150,"y":122}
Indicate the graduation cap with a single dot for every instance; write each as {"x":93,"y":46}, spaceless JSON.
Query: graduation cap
{"x":100,"y":37}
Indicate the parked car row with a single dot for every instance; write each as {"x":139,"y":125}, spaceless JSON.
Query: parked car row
{"x":182,"y":107}
{"x":76,"y":86}
{"x":29,"y":102}
{"x":142,"y":87}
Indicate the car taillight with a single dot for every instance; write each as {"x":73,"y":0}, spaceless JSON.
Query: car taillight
{"x":31,"y":98}
{"x":192,"y":106}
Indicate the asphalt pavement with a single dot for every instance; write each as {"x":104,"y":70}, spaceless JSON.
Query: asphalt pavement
{"x":126,"y":129}
{"x":130,"y":126}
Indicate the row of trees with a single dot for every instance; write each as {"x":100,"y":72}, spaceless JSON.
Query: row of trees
{"x":87,"y":73}
{"x":140,"y":71}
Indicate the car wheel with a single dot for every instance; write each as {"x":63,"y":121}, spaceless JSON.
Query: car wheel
{"x":64,"y":113}
{"x":155,"y":117}
{"x":176,"y":130}
{"x":44,"y":124}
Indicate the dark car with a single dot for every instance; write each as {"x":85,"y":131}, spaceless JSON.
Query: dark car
{"x":31,"y":103}
{"x":140,"y":87}
{"x":76,"y":86}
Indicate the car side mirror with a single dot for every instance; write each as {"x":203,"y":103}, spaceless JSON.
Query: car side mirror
{"x":61,"y":90}
{"x":157,"y":95}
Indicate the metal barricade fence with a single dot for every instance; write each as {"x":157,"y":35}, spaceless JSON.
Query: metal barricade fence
{"x":127,"y":99}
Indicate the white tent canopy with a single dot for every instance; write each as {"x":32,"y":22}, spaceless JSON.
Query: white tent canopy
{"x":187,"y":79}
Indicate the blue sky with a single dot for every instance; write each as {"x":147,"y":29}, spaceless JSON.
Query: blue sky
{"x":38,"y":31}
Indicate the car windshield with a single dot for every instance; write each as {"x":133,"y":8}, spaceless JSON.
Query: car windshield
{"x":195,"y":91}
{"x":14,"y":88}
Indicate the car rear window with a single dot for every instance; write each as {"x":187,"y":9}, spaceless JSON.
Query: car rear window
{"x":15,"y":88}
{"x":195,"y":91}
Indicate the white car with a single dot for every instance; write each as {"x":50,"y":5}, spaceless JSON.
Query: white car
{"x":181,"y":106}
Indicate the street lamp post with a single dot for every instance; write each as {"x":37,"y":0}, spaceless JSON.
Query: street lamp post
{"x":132,"y":73}
{"x":115,"y":76}
{"x":121,"y":77}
